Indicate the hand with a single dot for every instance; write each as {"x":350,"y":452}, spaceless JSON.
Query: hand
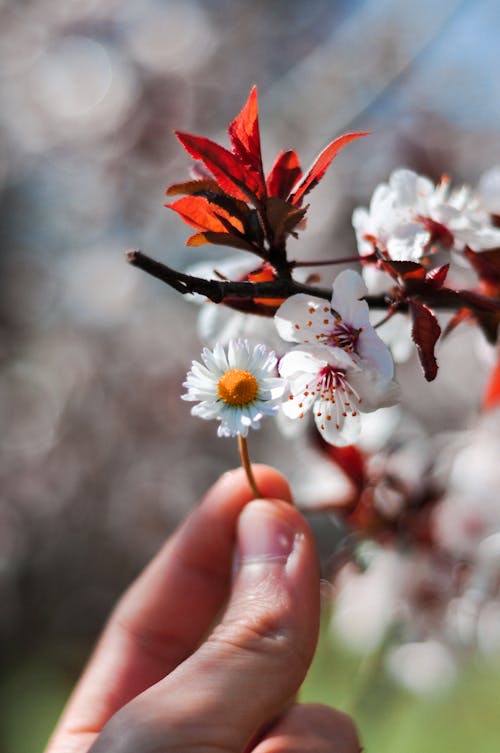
{"x":157,"y":683}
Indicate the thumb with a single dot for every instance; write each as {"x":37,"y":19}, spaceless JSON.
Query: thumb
{"x":254,"y":661}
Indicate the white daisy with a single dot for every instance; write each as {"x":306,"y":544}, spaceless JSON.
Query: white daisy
{"x":345,"y":324}
{"x":235,"y":388}
{"x":329,"y":382}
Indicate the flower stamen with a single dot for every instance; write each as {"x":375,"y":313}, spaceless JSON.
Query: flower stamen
{"x":237,"y":387}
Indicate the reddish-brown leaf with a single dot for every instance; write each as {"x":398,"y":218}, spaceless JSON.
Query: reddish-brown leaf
{"x":487,"y":266}
{"x":282,"y":217}
{"x":349,"y":459}
{"x":491,"y":397}
{"x":436,"y":277}
{"x":321,"y":164}
{"x":462,"y":315}
{"x":478,"y":301}
{"x":231,"y":174}
{"x":190,"y":187}
{"x":219,"y":239}
{"x":284,"y":174}
{"x":489,"y":324}
{"x":245,"y":137}
{"x":425,"y":333}
{"x":406,"y":270}
{"x":202,"y":215}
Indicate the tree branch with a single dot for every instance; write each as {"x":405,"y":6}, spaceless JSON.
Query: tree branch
{"x":235,"y":294}
{"x":218,"y":290}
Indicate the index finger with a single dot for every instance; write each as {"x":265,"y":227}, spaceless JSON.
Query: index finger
{"x":166,"y":612}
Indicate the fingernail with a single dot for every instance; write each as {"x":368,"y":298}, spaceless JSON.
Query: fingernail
{"x":263,"y":534}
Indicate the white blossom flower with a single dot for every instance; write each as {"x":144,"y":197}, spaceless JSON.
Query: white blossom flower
{"x":336,"y":388}
{"x":489,"y":190}
{"x":236,"y":388}
{"x":391,"y":222}
{"x":422,"y":666}
{"x":345,"y":324}
{"x":409,"y":214}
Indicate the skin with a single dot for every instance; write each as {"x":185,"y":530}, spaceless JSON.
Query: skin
{"x":163,"y":678}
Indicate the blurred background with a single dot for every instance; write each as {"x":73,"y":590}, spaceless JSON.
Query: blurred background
{"x":99,"y":459}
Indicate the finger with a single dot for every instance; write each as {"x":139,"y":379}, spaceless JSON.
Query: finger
{"x":313,"y":728}
{"x":252,"y":663}
{"x":168,"y":610}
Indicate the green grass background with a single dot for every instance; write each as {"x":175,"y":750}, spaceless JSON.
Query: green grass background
{"x":463,"y":719}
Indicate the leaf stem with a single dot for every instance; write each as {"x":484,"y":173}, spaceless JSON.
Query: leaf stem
{"x":246,"y":464}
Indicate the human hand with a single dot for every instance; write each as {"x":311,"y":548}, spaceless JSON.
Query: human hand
{"x":157,"y":683}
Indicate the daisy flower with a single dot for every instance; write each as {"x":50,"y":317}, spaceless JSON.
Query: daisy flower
{"x":343,"y":324}
{"x":329,"y":382}
{"x":237,"y":388}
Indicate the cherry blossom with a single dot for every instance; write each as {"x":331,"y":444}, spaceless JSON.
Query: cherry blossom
{"x":409,"y":216}
{"x":344,"y":324}
{"x":336,"y":388}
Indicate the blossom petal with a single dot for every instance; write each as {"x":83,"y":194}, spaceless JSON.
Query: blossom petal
{"x":295,"y":318}
{"x":340,"y":434}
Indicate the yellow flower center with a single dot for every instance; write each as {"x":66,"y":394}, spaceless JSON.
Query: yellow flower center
{"x":237,"y":387}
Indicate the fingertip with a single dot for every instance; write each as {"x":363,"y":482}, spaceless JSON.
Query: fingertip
{"x":233,"y":486}
{"x":311,"y":727}
{"x":273,"y":514}
{"x":272,"y":484}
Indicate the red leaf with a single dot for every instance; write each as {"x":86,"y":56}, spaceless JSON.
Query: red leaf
{"x":245,"y":137}
{"x":436,"y":277}
{"x":284,"y":174}
{"x":202,"y":215}
{"x":283,"y":217}
{"x":265,"y":273}
{"x":425,"y":334}
{"x":462,"y":315}
{"x":350,"y":460}
{"x":487,"y":266}
{"x":481,"y":302}
{"x":491,"y":397}
{"x":191,"y":187}
{"x":439,"y":233}
{"x":321,"y":164}
{"x":219,"y":239}
{"x":231,"y":175}
{"x":406,"y":270}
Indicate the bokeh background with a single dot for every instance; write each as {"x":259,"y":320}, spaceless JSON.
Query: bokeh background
{"x":99,"y":458}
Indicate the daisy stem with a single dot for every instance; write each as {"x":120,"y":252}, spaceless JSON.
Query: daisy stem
{"x":246,"y":464}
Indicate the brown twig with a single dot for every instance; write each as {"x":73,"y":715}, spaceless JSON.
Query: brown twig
{"x":220,"y":291}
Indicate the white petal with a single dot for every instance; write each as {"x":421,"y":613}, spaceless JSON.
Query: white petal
{"x":237,"y":354}
{"x":347,"y":433}
{"x":262,"y":360}
{"x":293,"y":317}
{"x":205,"y":410}
{"x":299,"y":360}
{"x":372,"y":349}
{"x":298,"y":405}
{"x":348,"y":287}
{"x":219,"y":357}
{"x":375,"y":390}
